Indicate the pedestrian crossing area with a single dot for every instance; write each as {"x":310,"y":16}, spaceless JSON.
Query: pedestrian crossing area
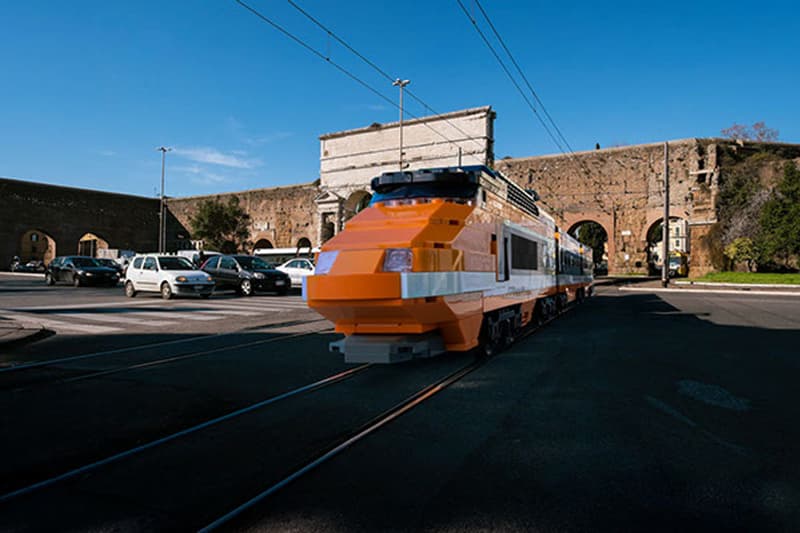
{"x":152,"y":314}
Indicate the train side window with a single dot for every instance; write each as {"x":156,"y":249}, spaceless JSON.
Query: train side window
{"x":524,"y":253}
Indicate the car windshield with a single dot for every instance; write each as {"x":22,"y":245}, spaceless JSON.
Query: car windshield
{"x":251,"y":263}
{"x":84,"y":262}
{"x":109,"y":262}
{"x":175,"y":263}
{"x":460,"y":192}
{"x":674,"y":261}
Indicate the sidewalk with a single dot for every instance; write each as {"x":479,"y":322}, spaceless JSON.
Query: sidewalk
{"x":13,"y":332}
{"x":677,"y":286}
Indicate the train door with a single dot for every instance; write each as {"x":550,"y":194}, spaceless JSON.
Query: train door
{"x":501,"y":244}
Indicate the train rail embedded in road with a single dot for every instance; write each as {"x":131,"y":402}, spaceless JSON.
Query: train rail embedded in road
{"x":364,"y":431}
{"x":330,"y":380}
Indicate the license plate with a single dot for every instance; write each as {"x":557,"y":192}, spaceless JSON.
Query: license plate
{"x":198,"y":288}
{"x":279,"y":282}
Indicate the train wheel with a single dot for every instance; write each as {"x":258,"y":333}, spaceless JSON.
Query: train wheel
{"x":490,"y":338}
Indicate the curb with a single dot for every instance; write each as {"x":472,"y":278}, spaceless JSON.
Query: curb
{"x":19,"y":335}
{"x":710,"y":291}
{"x":738,"y":285}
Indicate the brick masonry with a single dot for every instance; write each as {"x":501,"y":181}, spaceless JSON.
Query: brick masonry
{"x":65,"y":214}
{"x":280,"y":215}
{"x":620,"y":188}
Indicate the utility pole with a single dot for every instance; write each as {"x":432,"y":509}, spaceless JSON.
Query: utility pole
{"x":162,"y":223}
{"x":665,"y":225}
{"x":401,"y":83}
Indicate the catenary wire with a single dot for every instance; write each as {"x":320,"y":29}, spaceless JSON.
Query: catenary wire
{"x":530,"y":87}
{"x":379,"y":70}
{"x":547,"y":129}
{"x":343,"y":70}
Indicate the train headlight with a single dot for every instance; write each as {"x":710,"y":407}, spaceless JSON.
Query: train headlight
{"x":325,"y":262}
{"x":398,"y":260}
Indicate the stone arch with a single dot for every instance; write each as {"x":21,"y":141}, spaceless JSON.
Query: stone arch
{"x":262,"y":244}
{"x":303,"y":242}
{"x":594,"y":234}
{"x":677,"y":236}
{"x":90,"y":243}
{"x":354,"y":204}
{"x":37,"y":245}
{"x":327,"y":227}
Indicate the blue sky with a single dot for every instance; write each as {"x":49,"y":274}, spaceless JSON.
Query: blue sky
{"x":91,"y":88}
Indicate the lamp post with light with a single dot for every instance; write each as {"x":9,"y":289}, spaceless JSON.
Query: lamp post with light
{"x":162,"y":223}
{"x":401,"y":83}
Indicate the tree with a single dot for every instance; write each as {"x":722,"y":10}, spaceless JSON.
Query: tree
{"x":593,"y":235}
{"x":780,"y":218}
{"x":224,"y":227}
{"x":758,"y":132}
{"x":742,"y":249}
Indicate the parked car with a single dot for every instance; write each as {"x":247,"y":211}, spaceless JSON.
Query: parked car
{"x":297,"y":269}
{"x":168,"y":274}
{"x":110,"y":263}
{"x":79,"y":270}
{"x":197,"y":257}
{"x":246,"y":274}
{"x":30,"y":266}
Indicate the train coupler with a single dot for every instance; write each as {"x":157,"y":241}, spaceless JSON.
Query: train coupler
{"x":361,"y":348}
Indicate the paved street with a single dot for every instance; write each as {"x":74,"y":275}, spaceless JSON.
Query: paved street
{"x":634,"y":411}
{"x":69,"y":310}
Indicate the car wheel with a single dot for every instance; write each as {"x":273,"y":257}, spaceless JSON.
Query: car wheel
{"x":246,"y":287}
{"x":166,"y":291}
{"x":130,"y":290}
{"x":76,"y":280}
{"x":48,"y":278}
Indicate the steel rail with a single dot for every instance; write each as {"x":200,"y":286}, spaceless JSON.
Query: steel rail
{"x":370,"y":427}
{"x":330,"y":380}
{"x":163,"y":361}
{"x":93,"y":355}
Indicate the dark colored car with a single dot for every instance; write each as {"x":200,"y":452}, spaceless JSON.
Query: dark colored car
{"x":246,"y":274}
{"x":110,"y":263}
{"x":31,"y":266}
{"x":80,"y":270}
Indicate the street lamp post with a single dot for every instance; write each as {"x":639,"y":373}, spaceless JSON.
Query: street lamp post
{"x":162,"y":223}
{"x":401,"y":83}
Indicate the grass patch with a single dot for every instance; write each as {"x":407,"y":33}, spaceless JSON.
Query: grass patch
{"x":750,"y":277}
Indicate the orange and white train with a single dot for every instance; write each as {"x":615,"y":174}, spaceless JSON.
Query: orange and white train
{"x":444,"y":259}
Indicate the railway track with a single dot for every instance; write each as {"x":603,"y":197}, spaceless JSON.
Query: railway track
{"x":62,"y":361}
{"x":339,"y":442}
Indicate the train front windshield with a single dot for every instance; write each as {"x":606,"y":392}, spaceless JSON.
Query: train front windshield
{"x":459,"y":192}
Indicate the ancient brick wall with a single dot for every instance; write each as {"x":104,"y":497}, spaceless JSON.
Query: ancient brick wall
{"x":280,"y":215}
{"x":66,"y":214}
{"x":622,"y":190}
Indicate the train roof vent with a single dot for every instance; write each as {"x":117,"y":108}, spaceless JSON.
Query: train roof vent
{"x":523,"y":200}
{"x":426,"y":175}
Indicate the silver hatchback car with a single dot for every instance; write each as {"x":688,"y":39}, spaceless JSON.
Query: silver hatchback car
{"x":168,"y":274}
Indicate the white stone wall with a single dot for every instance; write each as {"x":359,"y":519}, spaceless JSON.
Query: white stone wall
{"x":350,"y":159}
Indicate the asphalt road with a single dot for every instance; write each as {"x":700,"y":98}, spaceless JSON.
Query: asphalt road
{"x":634,"y":411}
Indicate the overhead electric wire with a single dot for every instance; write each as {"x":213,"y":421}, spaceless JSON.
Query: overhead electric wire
{"x":570,"y":153}
{"x":340,"y":68}
{"x":508,"y":73}
{"x":530,"y":87}
{"x":380,"y":71}
{"x":524,"y":77}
